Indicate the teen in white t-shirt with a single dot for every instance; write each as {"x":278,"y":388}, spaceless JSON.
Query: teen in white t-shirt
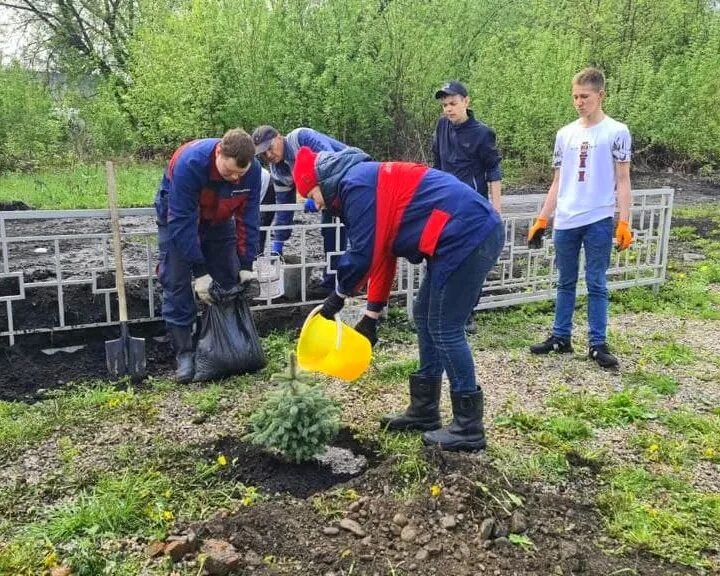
{"x":586,"y":158}
{"x":592,"y":174}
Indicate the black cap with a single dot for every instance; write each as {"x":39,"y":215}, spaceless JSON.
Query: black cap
{"x":452,"y":88}
{"x":263,"y":137}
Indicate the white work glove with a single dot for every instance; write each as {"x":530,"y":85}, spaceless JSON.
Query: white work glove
{"x":246,"y":276}
{"x":202,"y":288}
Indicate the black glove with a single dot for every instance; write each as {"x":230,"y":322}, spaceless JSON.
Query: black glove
{"x":332,"y":305}
{"x":250,"y":289}
{"x":368,"y":328}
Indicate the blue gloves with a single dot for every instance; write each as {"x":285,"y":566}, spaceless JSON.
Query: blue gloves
{"x":310,"y":206}
{"x":277,"y":247}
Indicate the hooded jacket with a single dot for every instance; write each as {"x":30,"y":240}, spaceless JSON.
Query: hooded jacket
{"x":399,"y":209}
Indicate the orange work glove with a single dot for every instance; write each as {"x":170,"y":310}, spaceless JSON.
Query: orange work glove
{"x":623,"y":235}
{"x":536,"y":232}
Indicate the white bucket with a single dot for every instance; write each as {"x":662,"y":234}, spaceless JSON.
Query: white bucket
{"x":271,"y":276}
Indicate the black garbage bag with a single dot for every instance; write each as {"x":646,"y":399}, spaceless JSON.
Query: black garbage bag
{"x":229,"y":343}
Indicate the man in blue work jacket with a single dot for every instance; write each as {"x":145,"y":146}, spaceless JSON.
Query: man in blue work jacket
{"x":279,"y":152}
{"x":208,"y":207}
{"x":466,"y":148}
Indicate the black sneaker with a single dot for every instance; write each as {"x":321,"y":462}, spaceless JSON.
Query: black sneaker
{"x":600,"y":354}
{"x":470,"y":326}
{"x":552,"y":344}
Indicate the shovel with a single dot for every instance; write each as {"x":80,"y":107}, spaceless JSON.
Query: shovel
{"x":126,"y":355}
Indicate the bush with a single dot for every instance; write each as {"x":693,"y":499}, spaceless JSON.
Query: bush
{"x":297,"y":419}
{"x":30,"y":132}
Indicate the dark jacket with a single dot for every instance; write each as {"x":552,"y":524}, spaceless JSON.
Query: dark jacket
{"x":399,"y":209}
{"x":192,"y":191}
{"x":468,"y":151}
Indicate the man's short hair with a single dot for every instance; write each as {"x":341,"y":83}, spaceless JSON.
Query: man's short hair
{"x":238,"y":145}
{"x":590,"y":77}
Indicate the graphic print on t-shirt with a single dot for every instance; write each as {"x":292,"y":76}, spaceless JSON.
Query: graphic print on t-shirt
{"x":584,"y":147}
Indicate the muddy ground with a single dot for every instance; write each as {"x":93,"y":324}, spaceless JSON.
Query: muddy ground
{"x":26,"y":373}
{"x":474,"y":521}
{"x":465,"y":529}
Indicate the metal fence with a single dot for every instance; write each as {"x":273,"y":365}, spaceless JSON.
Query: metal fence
{"x":56,"y":269}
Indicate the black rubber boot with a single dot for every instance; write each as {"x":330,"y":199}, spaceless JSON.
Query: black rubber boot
{"x":424,"y":410}
{"x":182,"y":341}
{"x":465,"y":432}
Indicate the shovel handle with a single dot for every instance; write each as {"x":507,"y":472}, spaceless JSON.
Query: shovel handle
{"x":117,"y":246}
{"x":338,"y":325}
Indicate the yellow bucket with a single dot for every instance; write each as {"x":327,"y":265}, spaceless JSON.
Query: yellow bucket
{"x":332,"y":348}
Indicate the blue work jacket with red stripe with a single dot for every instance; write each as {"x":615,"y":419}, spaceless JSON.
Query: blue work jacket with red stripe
{"x":192,"y":191}
{"x":400,"y":209}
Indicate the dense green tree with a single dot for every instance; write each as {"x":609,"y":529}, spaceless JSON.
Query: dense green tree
{"x":31,"y":130}
{"x":365,"y":70}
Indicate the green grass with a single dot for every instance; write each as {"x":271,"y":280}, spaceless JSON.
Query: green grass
{"x":514,"y":328}
{"x":656,"y":447}
{"x":537,"y":465}
{"x":83,"y":186}
{"x":687,"y":292}
{"x":398,"y":371}
{"x":702,"y":431}
{"x":23,"y":425}
{"x":277,"y":345}
{"x":118,"y":505}
{"x":683,"y":233}
{"x":661,"y":384}
{"x":661,"y":514}
{"x":664,"y":350}
{"x":619,"y":408}
{"x":406,"y":449}
{"x":206,"y":400}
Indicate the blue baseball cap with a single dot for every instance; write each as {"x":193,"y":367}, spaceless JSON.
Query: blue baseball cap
{"x":452,"y":88}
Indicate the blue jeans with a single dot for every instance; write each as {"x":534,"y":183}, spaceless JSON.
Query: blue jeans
{"x":441,"y":313}
{"x":175,"y":274}
{"x":596,"y":238}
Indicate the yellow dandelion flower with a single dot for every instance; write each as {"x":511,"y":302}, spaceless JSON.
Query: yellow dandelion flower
{"x":51,"y":559}
{"x":435,"y":490}
{"x":221,"y":460}
{"x":709,"y":453}
{"x":168,"y":516}
{"x":653,"y":448}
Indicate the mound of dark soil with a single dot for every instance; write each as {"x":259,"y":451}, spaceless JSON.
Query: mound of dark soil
{"x":271,"y":474}
{"x":27,"y":373}
{"x":480,"y":523}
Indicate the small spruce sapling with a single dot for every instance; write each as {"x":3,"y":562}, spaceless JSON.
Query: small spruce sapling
{"x":297,"y":419}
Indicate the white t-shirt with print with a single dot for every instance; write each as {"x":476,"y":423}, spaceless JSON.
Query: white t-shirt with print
{"x":586,"y":158}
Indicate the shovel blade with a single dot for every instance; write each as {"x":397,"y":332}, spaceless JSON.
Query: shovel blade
{"x":126,"y":357}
